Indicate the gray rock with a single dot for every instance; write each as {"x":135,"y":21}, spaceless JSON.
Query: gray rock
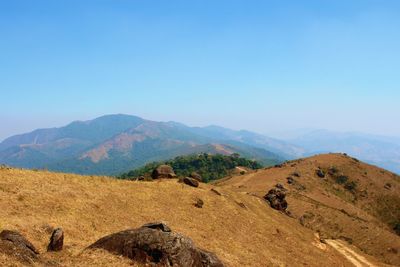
{"x":159,"y":248}
{"x":16,"y":245}
{"x":163,"y":171}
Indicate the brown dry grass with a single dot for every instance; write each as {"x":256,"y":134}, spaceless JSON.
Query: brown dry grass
{"x":87,"y":208}
{"x":331,"y":209}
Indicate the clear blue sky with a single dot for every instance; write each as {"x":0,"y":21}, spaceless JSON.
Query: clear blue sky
{"x":259,"y":65}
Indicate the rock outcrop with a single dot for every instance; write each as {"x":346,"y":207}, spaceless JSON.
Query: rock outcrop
{"x":56,"y":240}
{"x":163,"y":171}
{"x":156,"y":244}
{"x":276,"y":199}
{"x":16,"y":245}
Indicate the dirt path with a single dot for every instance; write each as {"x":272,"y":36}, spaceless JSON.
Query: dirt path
{"x":351,"y":255}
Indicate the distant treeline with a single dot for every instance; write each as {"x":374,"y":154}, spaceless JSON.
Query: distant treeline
{"x":210,"y":167}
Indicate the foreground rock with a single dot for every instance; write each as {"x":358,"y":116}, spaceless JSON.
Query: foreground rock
{"x":16,"y":245}
{"x":163,"y":171}
{"x":56,"y":240}
{"x":156,"y":244}
{"x":190,"y":181}
{"x":276,"y":199}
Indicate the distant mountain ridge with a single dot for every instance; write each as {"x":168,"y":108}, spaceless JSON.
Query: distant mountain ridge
{"x":113,"y":144}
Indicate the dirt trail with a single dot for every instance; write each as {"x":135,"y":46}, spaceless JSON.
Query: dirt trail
{"x":351,"y":255}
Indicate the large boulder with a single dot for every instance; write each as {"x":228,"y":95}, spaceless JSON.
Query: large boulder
{"x":17,"y":246}
{"x":163,"y":171}
{"x":157,"y":245}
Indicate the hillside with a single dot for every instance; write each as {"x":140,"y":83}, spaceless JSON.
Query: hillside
{"x":378,"y":150}
{"x":209,"y":167}
{"x":240,"y":228}
{"x":354,"y":202}
{"x":118,"y":143}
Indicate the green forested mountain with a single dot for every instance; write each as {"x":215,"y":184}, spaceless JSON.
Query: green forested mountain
{"x":113,"y":144}
{"x":210,"y":167}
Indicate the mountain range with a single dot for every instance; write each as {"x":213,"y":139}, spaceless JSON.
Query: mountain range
{"x":114,"y":144}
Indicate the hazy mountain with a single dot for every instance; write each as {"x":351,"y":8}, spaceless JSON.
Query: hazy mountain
{"x":116,"y":143}
{"x":280,"y":147}
{"x":379,"y":150}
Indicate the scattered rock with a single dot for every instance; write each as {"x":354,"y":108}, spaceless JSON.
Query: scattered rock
{"x":191,"y":182}
{"x":333,"y":170}
{"x":278,"y":166}
{"x":163,"y":171}
{"x":320,"y":173}
{"x":290,"y":180}
{"x":196,"y":176}
{"x":241,"y":204}
{"x":296,"y":174}
{"x":16,"y":245}
{"x":280,"y":186}
{"x":56,"y":240}
{"x":276,"y":199}
{"x":157,"y":247}
{"x":199,"y":203}
{"x":388,"y":186}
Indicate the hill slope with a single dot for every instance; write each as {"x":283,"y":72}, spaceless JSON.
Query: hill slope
{"x":378,"y":150}
{"x":241,"y":229}
{"x":354,"y":202}
{"x":117,"y":143}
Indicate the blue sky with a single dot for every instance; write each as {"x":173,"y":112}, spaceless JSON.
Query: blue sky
{"x":259,"y":65}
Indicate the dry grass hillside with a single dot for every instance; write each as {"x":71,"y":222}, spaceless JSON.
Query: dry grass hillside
{"x":241,"y":229}
{"x":355,"y":202}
